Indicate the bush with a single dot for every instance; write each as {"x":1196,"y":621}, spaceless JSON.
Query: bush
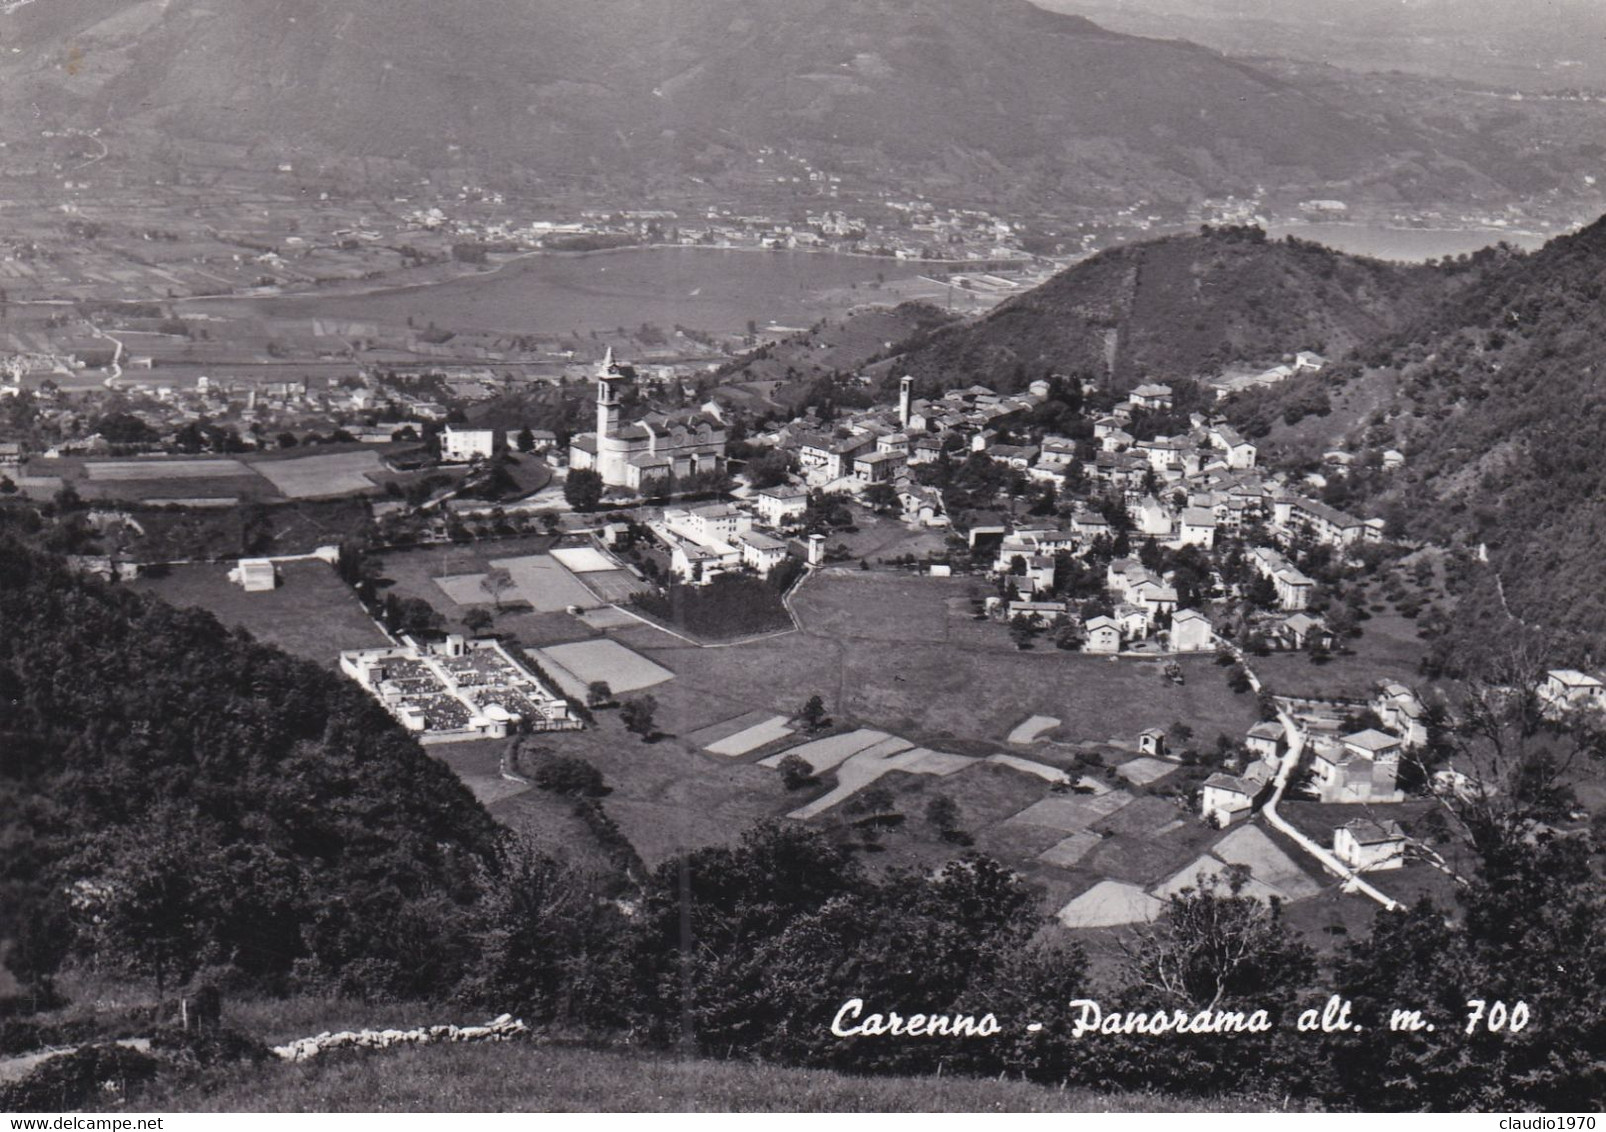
{"x":93,"y":1078}
{"x":796,"y":773}
{"x":571,"y":776}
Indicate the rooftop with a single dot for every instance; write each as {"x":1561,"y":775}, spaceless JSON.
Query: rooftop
{"x":1371,"y":740}
{"x":1369,"y":832}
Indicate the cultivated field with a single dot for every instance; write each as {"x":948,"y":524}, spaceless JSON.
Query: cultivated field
{"x":587,"y":661}
{"x":335,"y":473}
{"x":904,"y":668}
{"x":122,"y":471}
{"x":543,"y":582}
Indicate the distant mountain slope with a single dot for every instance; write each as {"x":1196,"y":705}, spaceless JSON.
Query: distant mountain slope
{"x":1179,"y":307}
{"x":1527,"y":46}
{"x":997,"y":93}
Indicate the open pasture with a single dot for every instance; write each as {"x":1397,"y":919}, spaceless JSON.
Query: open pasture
{"x":873,"y":647}
{"x":312,"y":614}
{"x":877,"y":606}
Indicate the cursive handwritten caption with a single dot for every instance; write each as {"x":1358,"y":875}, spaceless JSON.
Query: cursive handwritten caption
{"x":1089,"y":1018}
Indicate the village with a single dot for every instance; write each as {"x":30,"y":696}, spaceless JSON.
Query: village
{"x":1115,"y":577}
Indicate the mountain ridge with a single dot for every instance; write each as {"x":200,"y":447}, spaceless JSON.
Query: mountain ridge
{"x":985,"y":93}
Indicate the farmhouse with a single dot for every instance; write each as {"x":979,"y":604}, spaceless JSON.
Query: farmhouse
{"x":1266,"y":739}
{"x":1565,"y":688}
{"x":1224,"y":797}
{"x":1103,"y":635}
{"x":1363,"y":767}
{"x":1191,"y":631}
{"x":1366,"y":845}
{"x":1401,"y":711}
{"x":1153,"y":396}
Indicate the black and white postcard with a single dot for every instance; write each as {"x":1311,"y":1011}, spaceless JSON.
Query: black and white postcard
{"x":934,"y":556}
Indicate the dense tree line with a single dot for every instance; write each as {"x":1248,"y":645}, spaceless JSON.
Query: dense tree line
{"x":179,"y":797}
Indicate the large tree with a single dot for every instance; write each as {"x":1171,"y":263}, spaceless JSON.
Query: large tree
{"x":582,"y":489}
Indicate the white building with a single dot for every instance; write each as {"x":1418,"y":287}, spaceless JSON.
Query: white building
{"x":254,"y":575}
{"x":1363,"y":767}
{"x":1152,"y":396}
{"x":780,"y":505}
{"x":1368,"y":846}
{"x":1266,"y":739}
{"x":1568,"y":688}
{"x":761,"y":552}
{"x":1198,"y":527}
{"x":1191,"y":631}
{"x":1293,"y":588}
{"x":459,"y":446}
{"x":1103,"y":635}
{"x":1224,"y":797}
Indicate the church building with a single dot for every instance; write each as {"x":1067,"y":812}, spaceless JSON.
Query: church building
{"x":655,"y":448}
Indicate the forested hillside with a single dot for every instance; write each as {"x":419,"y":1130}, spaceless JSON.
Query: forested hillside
{"x":174,"y":797}
{"x":1502,"y":410}
{"x":1179,"y":307}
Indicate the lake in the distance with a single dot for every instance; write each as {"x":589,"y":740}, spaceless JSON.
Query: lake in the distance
{"x":1409,"y":245}
{"x":709,"y":289}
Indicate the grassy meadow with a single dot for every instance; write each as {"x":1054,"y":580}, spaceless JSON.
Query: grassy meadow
{"x":526,"y":1077}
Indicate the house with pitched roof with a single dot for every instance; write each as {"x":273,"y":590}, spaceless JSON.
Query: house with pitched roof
{"x":1370,"y":846}
{"x":1101,"y":635}
{"x":1225,"y":796}
{"x":1191,"y":632}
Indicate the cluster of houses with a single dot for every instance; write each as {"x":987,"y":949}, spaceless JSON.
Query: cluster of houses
{"x":1358,"y":768}
{"x":704,"y":542}
{"x":882,"y":445}
{"x":1181,"y":491}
